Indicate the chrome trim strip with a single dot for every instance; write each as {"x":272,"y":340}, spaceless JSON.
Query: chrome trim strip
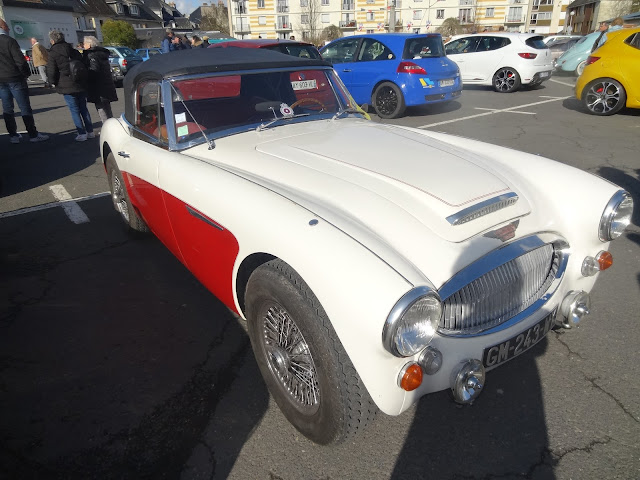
{"x":483,"y":208}
{"x":200,"y":216}
{"x":401,"y":306}
{"x":499,"y":257}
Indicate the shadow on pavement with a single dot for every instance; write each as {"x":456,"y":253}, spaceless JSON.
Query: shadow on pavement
{"x":113,"y":357}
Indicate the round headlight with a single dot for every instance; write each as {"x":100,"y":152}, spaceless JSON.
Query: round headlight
{"x":616,"y":216}
{"x":413,"y":322}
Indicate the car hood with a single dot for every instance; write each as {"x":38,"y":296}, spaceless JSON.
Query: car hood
{"x":381,"y":184}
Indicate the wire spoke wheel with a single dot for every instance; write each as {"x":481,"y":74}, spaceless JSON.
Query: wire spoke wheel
{"x":603,"y":97}
{"x":290,"y":360}
{"x":119,"y":198}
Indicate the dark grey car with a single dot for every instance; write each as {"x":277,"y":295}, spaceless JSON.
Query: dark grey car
{"x":125,"y":58}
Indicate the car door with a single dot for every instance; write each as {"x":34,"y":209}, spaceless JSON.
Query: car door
{"x":489,"y":56}
{"x":460,"y":51}
{"x":629,"y":58}
{"x":374,"y":60}
{"x":342,"y":54}
{"x":139,"y":160}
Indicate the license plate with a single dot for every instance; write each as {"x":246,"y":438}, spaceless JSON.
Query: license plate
{"x":303,"y":84}
{"x":447,"y":83}
{"x":544,"y":74}
{"x":500,"y":353}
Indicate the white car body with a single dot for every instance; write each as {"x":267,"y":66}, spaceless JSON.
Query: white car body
{"x":363,"y":225}
{"x":490,"y":52}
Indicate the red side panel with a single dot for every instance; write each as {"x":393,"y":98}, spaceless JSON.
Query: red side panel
{"x":147,"y":198}
{"x":208,"y":248}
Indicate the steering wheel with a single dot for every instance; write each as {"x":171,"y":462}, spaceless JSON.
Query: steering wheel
{"x":308,"y":99}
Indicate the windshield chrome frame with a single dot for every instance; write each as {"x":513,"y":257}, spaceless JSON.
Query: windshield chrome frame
{"x":167,"y":93}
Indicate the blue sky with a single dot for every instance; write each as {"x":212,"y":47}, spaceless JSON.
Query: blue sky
{"x":187,"y":6}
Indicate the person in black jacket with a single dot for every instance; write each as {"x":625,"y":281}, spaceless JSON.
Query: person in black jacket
{"x":14,"y":72}
{"x":75,"y":94}
{"x":100,"y":89}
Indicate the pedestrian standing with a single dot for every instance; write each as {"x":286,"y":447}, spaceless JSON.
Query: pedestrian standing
{"x":40,"y":55}
{"x":176,"y":43}
{"x":74,"y":93}
{"x":168,"y":44}
{"x":186,"y":44}
{"x":196,"y":42}
{"x":100,"y":89}
{"x":14,"y":72}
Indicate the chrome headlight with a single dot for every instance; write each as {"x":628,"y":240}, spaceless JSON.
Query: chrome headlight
{"x":413,"y":322}
{"x":616,"y":216}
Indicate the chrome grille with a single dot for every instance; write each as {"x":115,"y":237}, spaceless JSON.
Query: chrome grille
{"x":501,"y":293}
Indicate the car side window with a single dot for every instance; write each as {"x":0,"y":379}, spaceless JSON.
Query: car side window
{"x":634,"y":40}
{"x":148,"y":115}
{"x":492,"y":43}
{"x":374,"y":50}
{"x":462,"y":45}
{"x":341,"y":52}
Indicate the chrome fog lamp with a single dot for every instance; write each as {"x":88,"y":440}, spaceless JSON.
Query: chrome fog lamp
{"x":574,"y":307}
{"x":616,"y":216}
{"x":468,"y":381}
{"x":413,"y":322}
{"x":430,"y":360}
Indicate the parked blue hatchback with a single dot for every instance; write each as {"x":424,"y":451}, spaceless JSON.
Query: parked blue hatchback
{"x":391,"y":71}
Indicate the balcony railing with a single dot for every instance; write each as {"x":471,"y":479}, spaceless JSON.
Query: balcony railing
{"x":514,"y":19}
{"x":283,"y":8}
{"x":347,"y":24}
{"x":243,"y":28}
{"x":283,"y":26}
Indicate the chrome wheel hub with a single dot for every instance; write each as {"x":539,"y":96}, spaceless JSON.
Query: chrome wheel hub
{"x":119,"y":198}
{"x":603,"y":97}
{"x":290,"y":360}
{"x":505,"y":80}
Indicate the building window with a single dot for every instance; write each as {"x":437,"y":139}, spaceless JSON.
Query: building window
{"x":260,"y":3}
{"x":370,"y":31}
{"x":490,"y":12}
{"x":119,"y":8}
{"x":464,"y":15}
{"x":370,"y":16}
{"x":283,"y":6}
{"x":466,"y":2}
{"x":540,"y":16}
{"x":440,"y":13}
{"x":325,"y":2}
{"x":304,"y":19}
{"x":514,"y":14}
{"x":325,"y":18}
{"x":417,"y":14}
{"x":303,"y":3}
{"x":134,"y":10}
{"x":262,"y":20}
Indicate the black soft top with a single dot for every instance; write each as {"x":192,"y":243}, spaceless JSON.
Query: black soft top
{"x":208,"y":60}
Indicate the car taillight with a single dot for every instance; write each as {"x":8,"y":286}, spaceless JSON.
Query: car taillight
{"x":528,"y":56}
{"x":410,"y":67}
{"x":27,"y":58}
{"x":592,"y":59}
{"x":124,"y":62}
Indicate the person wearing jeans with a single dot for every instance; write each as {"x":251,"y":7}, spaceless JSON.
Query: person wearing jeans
{"x":14,"y":72}
{"x":75,"y":94}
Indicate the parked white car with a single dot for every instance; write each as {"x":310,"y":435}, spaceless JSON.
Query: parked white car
{"x":367,"y":279}
{"x":504,"y":60}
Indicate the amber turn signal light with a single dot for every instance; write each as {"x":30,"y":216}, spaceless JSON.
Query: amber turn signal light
{"x":411,"y":377}
{"x":605,"y":260}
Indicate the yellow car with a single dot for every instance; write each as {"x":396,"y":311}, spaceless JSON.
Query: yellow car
{"x":610,"y":79}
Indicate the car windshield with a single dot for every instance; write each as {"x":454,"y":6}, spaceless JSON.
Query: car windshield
{"x":423,"y":47}
{"x":221,"y":105}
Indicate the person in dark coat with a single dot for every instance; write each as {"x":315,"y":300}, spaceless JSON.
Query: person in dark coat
{"x":14,"y":72}
{"x":185,"y":42}
{"x":75,"y":94}
{"x":100,"y":89}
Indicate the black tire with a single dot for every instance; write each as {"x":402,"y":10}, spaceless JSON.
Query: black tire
{"x":388,"y":101}
{"x":506,"y":80}
{"x":326,"y":401}
{"x":604,"y":96}
{"x":120,"y":198}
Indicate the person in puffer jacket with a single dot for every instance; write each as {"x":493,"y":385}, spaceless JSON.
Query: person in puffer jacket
{"x":100,"y":88}
{"x":75,"y":94}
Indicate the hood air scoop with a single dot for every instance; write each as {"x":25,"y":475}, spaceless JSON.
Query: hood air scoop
{"x":483,"y":208}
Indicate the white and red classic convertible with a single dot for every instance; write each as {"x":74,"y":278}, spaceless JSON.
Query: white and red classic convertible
{"x":373,"y":263}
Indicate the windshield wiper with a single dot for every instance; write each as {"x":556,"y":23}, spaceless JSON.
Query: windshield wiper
{"x":262,"y":126}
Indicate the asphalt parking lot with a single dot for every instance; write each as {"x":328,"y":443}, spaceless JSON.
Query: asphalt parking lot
{"x":116,"y":363}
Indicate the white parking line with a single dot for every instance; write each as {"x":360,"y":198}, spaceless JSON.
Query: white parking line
{"x":70,"y":207}
{"x":512,"y":111}
{"x":555,"y":99}
{"x":46,"y":206}
{"x":562,"y":83}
